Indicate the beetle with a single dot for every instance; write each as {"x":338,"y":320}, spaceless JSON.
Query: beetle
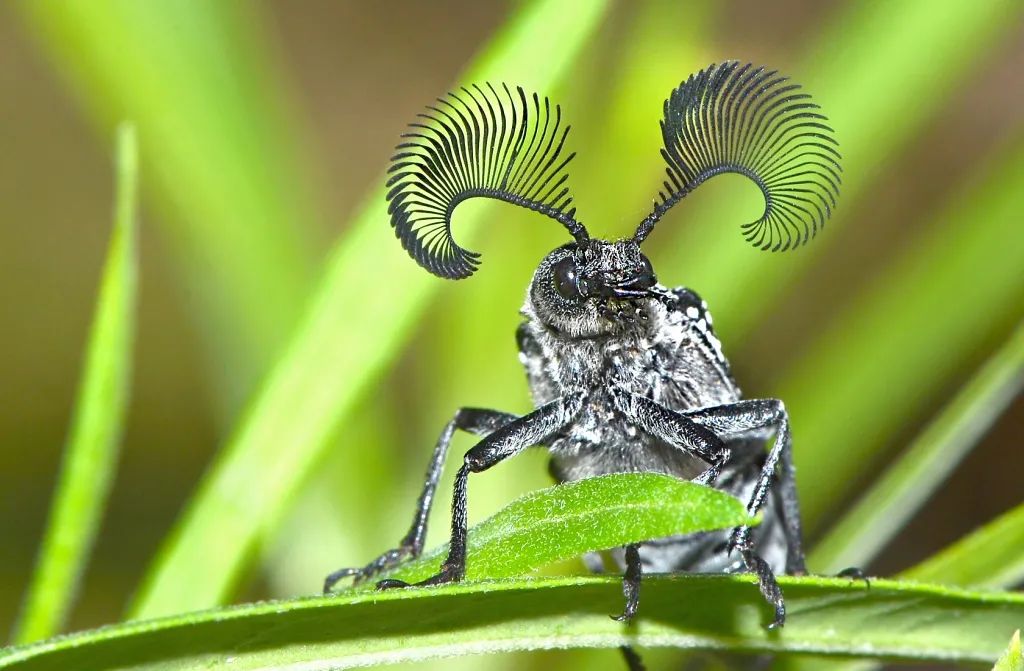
{"x":627,"y":375}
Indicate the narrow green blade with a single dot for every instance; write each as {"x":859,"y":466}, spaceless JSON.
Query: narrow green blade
{"x":1012,"y":659}
{"x":883,"y":359}
{"x":90,"y":455}
{"x":894,"y":499}
{"x":988,"y":557}
{"x":203,"y":83}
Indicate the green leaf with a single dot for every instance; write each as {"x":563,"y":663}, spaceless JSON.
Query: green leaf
{"x":1012,"y":659}
{"x":895,"y":497}
{"x":567,"y":520}
{"x":988,"y":557}
{"x":328,"y":362}
{"x":90,"y":455}
{"x":206,"y":89}
{"x":892,"y":620}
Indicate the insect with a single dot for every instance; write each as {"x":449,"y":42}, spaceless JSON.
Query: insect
{"x":626,"y":374}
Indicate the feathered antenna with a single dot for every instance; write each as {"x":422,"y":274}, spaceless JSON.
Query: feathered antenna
{"x":733,"y":118}
{"x":477,"y":143}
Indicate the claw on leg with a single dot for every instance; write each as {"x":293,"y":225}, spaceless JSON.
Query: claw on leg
{"x":769,"y":586}
{"x":448,"y":574}
{"x":855,"y":573}
{"x":630,"y":584}
{"x":339,"y":575}
{"x":391,"y":583}
{"x":388,"y":560}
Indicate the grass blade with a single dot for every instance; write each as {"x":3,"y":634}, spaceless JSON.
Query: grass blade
{"x":328,"y":362}
{"x":908,"y":483}
{"x":988,"y":557}
{"x":90,"y":455}
{"x":892,"y":620}
{"x":202,"y":84}
{"x":1012,"y":659}
{"x":914,"y":326}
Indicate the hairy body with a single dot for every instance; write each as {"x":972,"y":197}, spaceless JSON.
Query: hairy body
{"x":667,"y":351}
{"x":663,"y":356}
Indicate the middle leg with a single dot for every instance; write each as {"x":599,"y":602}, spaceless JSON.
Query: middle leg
{"x":631,"y":583}
{"x":761,"y":417}
{"x":700,"y":433}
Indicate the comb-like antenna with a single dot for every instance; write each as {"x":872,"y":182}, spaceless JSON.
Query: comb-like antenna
{"x":733,"y":118}
{"x":476,"y":143}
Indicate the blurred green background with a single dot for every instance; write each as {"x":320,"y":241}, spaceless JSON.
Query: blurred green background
{"x":263,"y":129}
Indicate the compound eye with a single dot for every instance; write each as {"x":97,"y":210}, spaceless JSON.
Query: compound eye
{"x":566,"y":276}
{"x":648,"y":269}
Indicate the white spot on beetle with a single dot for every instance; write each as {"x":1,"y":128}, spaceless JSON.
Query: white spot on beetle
{"x":717,"y":345}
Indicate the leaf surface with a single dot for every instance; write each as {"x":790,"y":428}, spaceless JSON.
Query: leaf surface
{"x":564,"y":521}
{"x":826,"y":616}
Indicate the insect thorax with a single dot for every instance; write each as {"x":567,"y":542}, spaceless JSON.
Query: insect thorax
{"x":668,"y":353}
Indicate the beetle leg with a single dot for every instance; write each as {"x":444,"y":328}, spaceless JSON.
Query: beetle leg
{"x":701,"y":433}
{"x":675,"y":429}
{"x":767,"y":583}
{"x":632,"y":658}
{"x":508,"y":440}
{"x":756,"y":417}
{"x":472,"y":420}
{"x":631,"y":583}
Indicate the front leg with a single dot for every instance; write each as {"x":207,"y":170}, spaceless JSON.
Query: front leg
{"x":473,"y":420}
{"x":675,"y":429}
{"x":507,"y":441}
{"x":752,"y":418}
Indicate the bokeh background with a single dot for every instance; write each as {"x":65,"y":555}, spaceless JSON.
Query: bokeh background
{"x":265,"y":125}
